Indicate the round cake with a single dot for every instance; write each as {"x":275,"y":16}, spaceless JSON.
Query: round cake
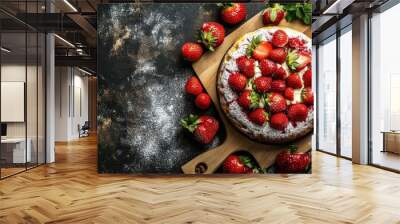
{"x":264,"y":85}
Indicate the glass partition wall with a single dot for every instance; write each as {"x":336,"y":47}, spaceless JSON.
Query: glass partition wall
{"x":22,"y":98}
{"x":334,"y":94}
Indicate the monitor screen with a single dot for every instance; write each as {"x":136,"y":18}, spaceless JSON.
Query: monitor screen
{"x":3,"y":129}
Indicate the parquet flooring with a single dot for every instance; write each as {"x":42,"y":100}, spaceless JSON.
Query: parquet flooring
{"x":71,"y":191}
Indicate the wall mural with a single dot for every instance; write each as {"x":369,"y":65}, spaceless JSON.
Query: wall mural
{"x":201,"y":88}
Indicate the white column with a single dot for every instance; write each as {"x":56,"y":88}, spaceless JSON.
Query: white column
{"x":360,"y":90}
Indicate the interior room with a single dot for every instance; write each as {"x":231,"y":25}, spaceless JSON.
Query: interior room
{"x":136,"y":111}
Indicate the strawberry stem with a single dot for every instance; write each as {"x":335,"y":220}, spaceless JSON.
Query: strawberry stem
{"x":292,"y":148}
{"x":190,"y":123}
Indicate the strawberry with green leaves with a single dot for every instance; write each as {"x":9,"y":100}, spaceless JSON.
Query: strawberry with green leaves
{"x":203,"y":128}
{"x":258,"y":49}
{"x":238,"y":164}
{"x":298,"y":60}
{"x":273,"y":15}
{"x":249,"y":100}
{"x":233,"y":13}
{"x":258,"y":116}
{"x":212,"y":35}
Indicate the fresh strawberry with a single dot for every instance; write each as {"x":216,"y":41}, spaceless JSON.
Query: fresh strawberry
{"x":280,"y":73}
{"x":233,"y":13}
{"x":294,"y":81}
{"x":291,"y":161}
{"x":297,"y":60}
{"x":191,"y":51}
{"x":246,"y":66}
{"x":237,"y":81}
{"x":307,"y":78}
{"x":193,"y":86}
{"x":204,"y":128}
{"x":258,"y":116}
{"x":278,"y":55}
{"x":289,"y":93}
{"x":280,"y":38}
{"x":203,"y":101}
{"x":296,"y":43}
{"x":278,"y":86}
{"x":238,"y":164}
{"x":262,"y":84}
{"x":249,"y":100}
{"x":267,"y":67}
{"x":298,"y":112}
{"x":276,"y":102}
{"x":307,"y":96}
{"x":273,"y":15}
{"x":279,"y":121}
{"x":258,"y":49}
{"x":212,"y":35}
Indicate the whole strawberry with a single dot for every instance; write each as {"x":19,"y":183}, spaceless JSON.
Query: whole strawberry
{"x":289,"y":93}
{"x":267,"y":67}
{"x":278,"y":86}
{"x":262,"y":84}
{"x":307,"y":78}
{"x":280,"y":73}
{"x":298,"y":60}
{"x":193,"y":86}
{"x":204,"y":128}
{"x":307,"y":96}
{"x":203,"y":101}
{"x":233,"y":13}
{"x":273,"y":15}
{"x":258,"y":116}
{"x":258,"y":49}
{"x":280,"y":38}
{"x":278,"y":55}
{"x":237,"y":81}
{"x":238,"y":164}
{"x":246,"y":66}
{"x":292,"y":162}
{"x":279,"y":121}
{"x":298,"y":112}
{"x":294,"y":81}
{"x":249,"y":100}
{"x":276,"y":102}
{"x":212,"y":35}
{"x":192,"y":51}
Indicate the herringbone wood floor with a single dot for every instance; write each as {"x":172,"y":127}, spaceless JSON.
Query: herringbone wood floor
{"x":71,"y":191}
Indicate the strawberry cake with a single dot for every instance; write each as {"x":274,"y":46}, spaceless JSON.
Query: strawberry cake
{"x":264,"y":85}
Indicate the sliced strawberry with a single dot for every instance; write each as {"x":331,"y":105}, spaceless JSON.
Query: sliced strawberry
{"x":267,"y":67}
{"x":262,"y":84}
{"x":297,"y":60}
{"x":258,"y":49}
{"x":298,"y":112}
{"x":246,"y":66}
{"x":258,"y":116}
{"x":279,"y":121}
{"x":307,"y":78}
{"x":276,"y":102}
{"x":289,"y":93}
{"x":237,"y":81}
{"x":193,"y":86}
{"x":294,"y":81}
{"x":307,"y":96}
{"x":280,"y":38}
{"x":249,"y":100}
{"x":278,"y":55}
{"x":278,"y":86}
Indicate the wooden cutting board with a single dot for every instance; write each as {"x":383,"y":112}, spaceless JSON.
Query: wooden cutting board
{"x":206,"y":69}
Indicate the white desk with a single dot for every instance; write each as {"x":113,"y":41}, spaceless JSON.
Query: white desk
{"x":18,"y":150}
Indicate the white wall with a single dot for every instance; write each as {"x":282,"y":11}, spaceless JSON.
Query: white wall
{"x":70,"y":109}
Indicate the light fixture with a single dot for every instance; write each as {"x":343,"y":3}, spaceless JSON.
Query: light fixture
{"x":5,"y":50}
{"x":65,"y":41}
{"x":84,"y":71}
{"x":70,"y":5}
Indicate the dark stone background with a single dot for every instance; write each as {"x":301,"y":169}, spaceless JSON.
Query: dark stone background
{"x":141,"y":78}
